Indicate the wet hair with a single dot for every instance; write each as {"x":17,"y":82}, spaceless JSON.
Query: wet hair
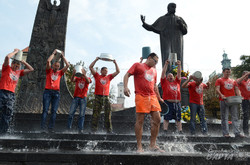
{"x":226,"y":69}
{"x":152,"y":55}
{"x":103,"y":68}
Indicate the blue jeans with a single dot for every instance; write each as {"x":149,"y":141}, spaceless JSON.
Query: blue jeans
{"x":200,"y":110}
{"x":53,"y":97}
{"x":7,"y":100}
{"x":81,"y":102}
{"x":246,"y":108}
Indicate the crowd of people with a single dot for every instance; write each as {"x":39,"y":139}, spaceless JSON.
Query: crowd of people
{"x":147,"y":96}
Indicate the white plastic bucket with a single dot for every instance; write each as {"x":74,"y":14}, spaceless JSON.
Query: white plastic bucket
{"x":18,"y":56}
{"x":57,"y":56}
{"x":197,"y":75}
{"x":78,"y":69}
{"x":172,"y":58}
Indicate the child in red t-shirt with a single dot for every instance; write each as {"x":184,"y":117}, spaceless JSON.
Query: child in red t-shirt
{"x":80,"y":94}
{"x":195,"y":89}
{"x":8,"y":82}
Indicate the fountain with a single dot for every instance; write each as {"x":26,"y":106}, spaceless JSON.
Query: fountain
{"x":27,"y":145}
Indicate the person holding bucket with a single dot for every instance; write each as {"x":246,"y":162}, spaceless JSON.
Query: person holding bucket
{"x":195,"y":89}
{"x":51,"y":93}
{"x":226,"y":87}
{"x":147,"y":99}
{"x":80,"y":94}
{"x":244,"y":86}
{"x":8,"y":82}
{"x":102,"y":84}
{"x":172,"y":96}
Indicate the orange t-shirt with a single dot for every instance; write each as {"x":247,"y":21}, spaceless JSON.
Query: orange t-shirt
{"x":102,"y":84}
{"x":171,"y":90}
{"x":10,"y":78}
{"x":81,"y":87}
{"x":244,"y":87}
{"x":226,"y":86}
{"x":196,"y":92}
{"x":53,"y":79}
{"x":144,"y":78}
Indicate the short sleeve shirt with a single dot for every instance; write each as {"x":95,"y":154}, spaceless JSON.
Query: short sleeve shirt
{"x":196,"y":92}
{"x":102,"y":84}
{"x":144,"y":78}
{"x":226,"y":86}
{"x":244,"y":87}
{"x":53,"y":79}
{"x":171,"y":90}
{"x":81,"y":87}
{"x":10,"y":78}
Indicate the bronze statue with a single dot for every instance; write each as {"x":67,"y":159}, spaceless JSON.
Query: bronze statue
{"x":171,"y":29}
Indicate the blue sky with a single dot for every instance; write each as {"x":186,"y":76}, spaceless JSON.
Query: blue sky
{"x":114,"y":26}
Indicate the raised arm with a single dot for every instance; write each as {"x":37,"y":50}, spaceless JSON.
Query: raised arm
{"x":117,"y":69}
{"x":28,"y":69}
{"x":185,"y":84}
{"x":164,"y":70}
{"x":239,"y":80}
{"x":91,"y":66}
{"x":85,"y":76}
{"x":179,"y":69}
{"x":64,"y":69}
{"x":72,"y":79}
{"x":7,"y":58}
{"x":48,"y":65}
{"x":125,"y":82}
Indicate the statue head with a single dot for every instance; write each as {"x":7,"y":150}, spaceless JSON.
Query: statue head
{"x":171,"y":8}
{"x":55,"y":2}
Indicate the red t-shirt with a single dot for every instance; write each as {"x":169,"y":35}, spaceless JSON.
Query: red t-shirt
{"x":196,"y":92}
{"x":102,"y":84}
{"x":9,"y":78}
{"x":244,"y":87}
{"x":171,"y":90}
{"x":81,"y":87}
{"x":144,"y":78}
{"x":53,"y":79}
{"x":226,"y":86}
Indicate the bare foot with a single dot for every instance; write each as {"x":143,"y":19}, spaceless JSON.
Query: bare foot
{"x":156,"y":149}
{"x":140,"y":150}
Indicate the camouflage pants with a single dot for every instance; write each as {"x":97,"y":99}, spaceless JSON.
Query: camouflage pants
{"x":101,"y":102}
{"x":7,"y":100}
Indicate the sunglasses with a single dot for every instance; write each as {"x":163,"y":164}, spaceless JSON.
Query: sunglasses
{"x":155,"y":61}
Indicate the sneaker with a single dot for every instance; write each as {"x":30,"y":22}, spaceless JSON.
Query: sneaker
{"x":43,"y":131}
{"x":51,"y":131}
{"x":205,"y":134}
{"x":239,"y":136}
{"x":181,"y":133}
{"x":80,"y":131}
{"x":227,"y":136}
{"x":111,"y":133}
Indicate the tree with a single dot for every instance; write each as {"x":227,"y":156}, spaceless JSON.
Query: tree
{"x":211,"y":100}
{"x":245,"y":65}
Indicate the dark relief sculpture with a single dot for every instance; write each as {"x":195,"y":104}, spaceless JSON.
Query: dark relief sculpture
{"x":49,"y":32}
{"x":171,"y":29}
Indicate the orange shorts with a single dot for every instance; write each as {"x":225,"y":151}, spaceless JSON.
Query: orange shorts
{"x":146,"y":104}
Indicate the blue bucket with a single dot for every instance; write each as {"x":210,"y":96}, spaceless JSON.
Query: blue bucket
{"x":145,"y":52}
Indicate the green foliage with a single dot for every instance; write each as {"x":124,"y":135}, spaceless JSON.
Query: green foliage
{"x":211,"y":100}
{"x":245,"y":65}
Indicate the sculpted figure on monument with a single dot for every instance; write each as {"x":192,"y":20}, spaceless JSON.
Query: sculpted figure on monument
{"x":171,"y":29}
{"x":53,"y":8}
